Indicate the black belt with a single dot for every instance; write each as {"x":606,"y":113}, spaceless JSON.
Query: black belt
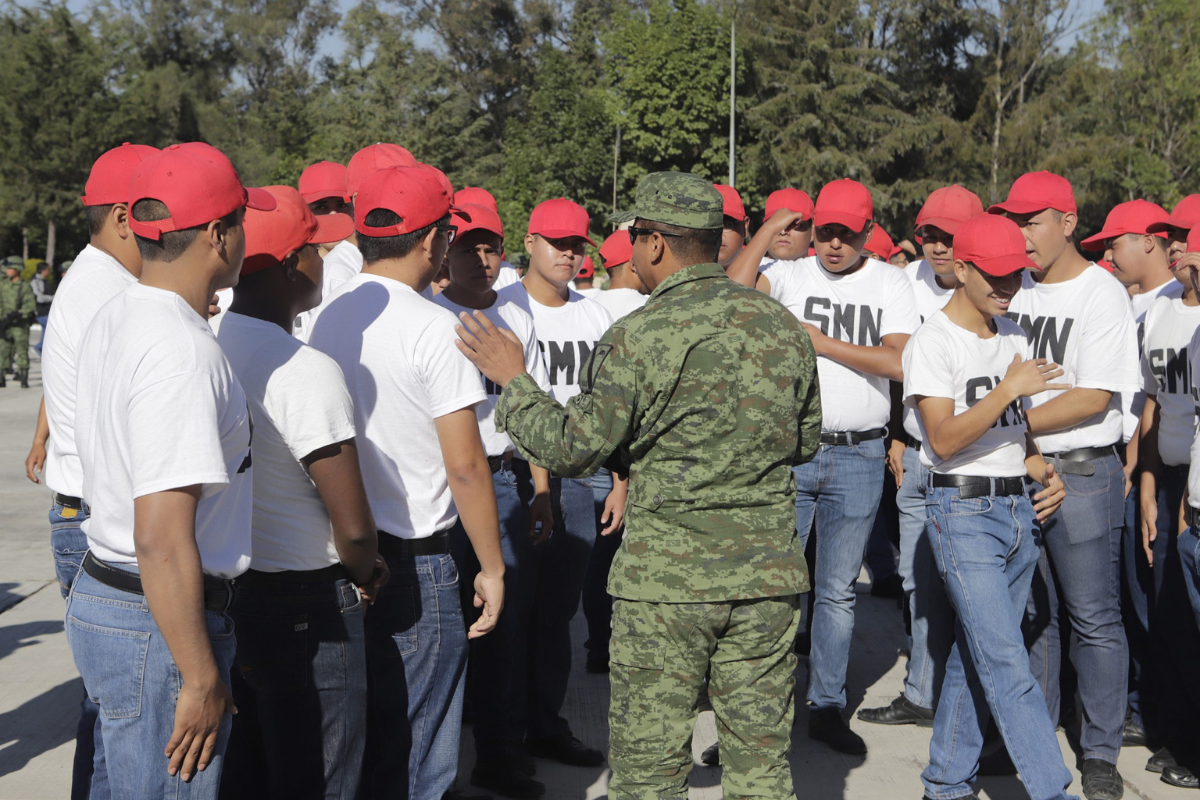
{"x":436,"y":545}
{"x":978,"y":486}
{"x":498,"y":463}
{"x":291,"y":577}
{"x":1076,"y":462}
{"x":218,"y":592}
{"x":852,"y":437}
{"x":911,"y":441}
{"x":66,"y":501}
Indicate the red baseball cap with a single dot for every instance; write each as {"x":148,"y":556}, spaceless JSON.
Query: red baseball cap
{"x":948,"y":208}
{"x":1185,"y":216}
{"x":323,"y":179}
{"x":560,"y":219}
{"x":1037,"y":191}
{"x":880,"y":243}
{"x":616,"y":250}
{"x":196,"y":182}
{"x":476,"y":196}
{"x":588,"y":270}
{"x":992,"y":243}
{"x":271,"y":235}
{"x":415,"y":194}
{"x":793,"y":200}
{"x":108,"y":182}
{"x":1136,"y":216}
{"x":475,"y":216}
{"x":1193,"y":240}
{"x":1105,"y":265}
{"x":372,"y":158}
{"x":442,"y":179}
{"x":845,"y":202}
{"x":734,"y":207}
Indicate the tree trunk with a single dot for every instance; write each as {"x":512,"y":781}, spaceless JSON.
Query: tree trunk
{"x":24,"y":244}
{"x":51,"y":237}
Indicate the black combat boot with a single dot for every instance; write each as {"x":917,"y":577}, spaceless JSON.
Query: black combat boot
{"x":24,"y":376}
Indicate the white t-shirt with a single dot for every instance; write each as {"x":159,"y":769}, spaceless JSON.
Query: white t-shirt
{"x":503,"y":314}
{"x":567,"y":334}
{"x":342,"y":262}
{"x":1168,"y":329}
{"x":507,"y":277}
{"x":621,"y":302}
{"x":397,"y":352}
{"x":1085,"y":326}
{"x":224,"y":301}
{"x":300,"y":403}
{"x":944,"y":360}
{"x":159,"y":409}
{"x":1194,"y":470}
{"x":931,"y":298}
{"x":860,"y":308}
{"x":93,"y":280}
{"x":590,"y":292}
{"x":1133,"y":403}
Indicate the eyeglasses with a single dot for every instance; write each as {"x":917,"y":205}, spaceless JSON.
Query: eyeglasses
{"x":636,"y":232}
{"x":451,"y":232}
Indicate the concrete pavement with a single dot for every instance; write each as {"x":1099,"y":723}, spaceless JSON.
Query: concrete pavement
{"x":40,"y":690}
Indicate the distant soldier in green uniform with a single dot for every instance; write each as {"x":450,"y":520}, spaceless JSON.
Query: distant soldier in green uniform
{"x":17,"y":311}
{"x":706,"y":397}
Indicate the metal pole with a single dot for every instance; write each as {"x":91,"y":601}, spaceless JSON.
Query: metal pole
{"x":732,"y":95}
{"x":616,"y":163}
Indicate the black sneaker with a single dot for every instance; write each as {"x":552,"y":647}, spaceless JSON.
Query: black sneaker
{"x":827,"y":725}
{"x":1160,"y":761}
{"x":502,"y":777}
{"x":891,"y":587}
{"x":900,"y":712}
{"x":711,"y":757}
{"x":1101,"y":781}
{"x":565,"y":749}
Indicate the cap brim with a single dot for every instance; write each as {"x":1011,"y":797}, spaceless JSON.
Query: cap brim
{"x":621,"y":217}
{"x":946,"y":224}
{"x":1017,"y":207}
{"x":1096,"y":243}
{"x":553,"y":234}
{"x":851,"y":221}
{"x":260,"y":200}
{"x":471,"y":226}
{"x":1170,"y":222}
{"x":321,"y":194}
{"x":1005,"y":265}
{"x":460,"y":212}
{"x":332,"y":228}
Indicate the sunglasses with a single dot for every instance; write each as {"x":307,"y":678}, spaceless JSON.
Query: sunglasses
{"x":451,"y":232}
{"x":636,"y":232}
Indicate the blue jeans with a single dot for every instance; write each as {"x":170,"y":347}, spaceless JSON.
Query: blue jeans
{"x":1080,"y":568}
{"x":300,"y":685}
{"x":841,"y":487}
{"x":880,"y":559}
{"x":560,"y":564}
{"x":929,"y":609}
{"x":986,"y":555}
{"x":1141,"y":587}
{"x":416,"y":658}
{"x":130,"y":674}
{"x":69,"y":543}
{"x":597,"y":603}
{"x":495,"y":680}
{"x":1189,"y":557}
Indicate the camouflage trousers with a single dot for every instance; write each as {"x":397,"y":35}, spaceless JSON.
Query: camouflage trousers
{"x":660,"y":655}
{"x":14,"y":344}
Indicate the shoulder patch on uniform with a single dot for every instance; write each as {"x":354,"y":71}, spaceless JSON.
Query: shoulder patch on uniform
{"x":594,"y":364}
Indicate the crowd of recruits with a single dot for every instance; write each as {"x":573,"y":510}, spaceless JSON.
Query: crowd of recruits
{"x":315,"y":513}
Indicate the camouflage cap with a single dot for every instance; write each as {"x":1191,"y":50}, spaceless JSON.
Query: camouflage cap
{"x":14,"y":262}
{"x":676,"y":198}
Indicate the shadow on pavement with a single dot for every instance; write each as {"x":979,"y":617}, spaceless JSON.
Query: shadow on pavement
{"x":13,"y":637}
{"x":39,"y":725}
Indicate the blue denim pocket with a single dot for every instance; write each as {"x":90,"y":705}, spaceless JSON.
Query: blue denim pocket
{"x":966,"y":506}
{"x":119,"y":659}
{"x":445,"y":573}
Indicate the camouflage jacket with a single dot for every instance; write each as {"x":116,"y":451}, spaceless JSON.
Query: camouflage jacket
{"x":707,"y":395}
{"x":16,"y":297}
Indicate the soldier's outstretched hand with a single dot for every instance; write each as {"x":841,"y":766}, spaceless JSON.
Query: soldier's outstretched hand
{"x":497,"y":353}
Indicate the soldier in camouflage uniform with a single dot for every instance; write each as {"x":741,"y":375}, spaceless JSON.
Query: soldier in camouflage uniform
{"x":17,"y":311}
{"x":706,"y":397}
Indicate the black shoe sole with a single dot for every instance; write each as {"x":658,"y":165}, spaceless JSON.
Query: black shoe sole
{"x":920,"y":723}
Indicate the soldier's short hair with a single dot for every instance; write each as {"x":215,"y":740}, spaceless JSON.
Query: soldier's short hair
{"x":378,"y":248}
{"x":173,"y":244}
{"x":691,"y":245}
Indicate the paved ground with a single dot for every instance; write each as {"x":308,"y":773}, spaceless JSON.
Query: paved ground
{"x":40,"y":690}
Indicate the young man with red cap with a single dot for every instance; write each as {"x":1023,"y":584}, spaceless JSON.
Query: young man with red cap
{"x":104,"y":268}
{"x":1078,"y":316}
{"x":880,"y":244}
{"x":733,"y":236}
{"x":477,"y":196}
{"x":568,"y":326}
{"x":344,"y":261}
{"x":979,"y":451}
{"x":162,"y":429}
{"x":859,"y":313}
{"x":783,"y":236}
{"x":932,"y":627}
{"x":624,"y":293}
{"x":1139,"y":261}
{"x":1184,"y":216}
{"x":323,"y":186}
{"x":424,"y":467}
{"x":301,"y":689}
{"x":496,"y":679}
